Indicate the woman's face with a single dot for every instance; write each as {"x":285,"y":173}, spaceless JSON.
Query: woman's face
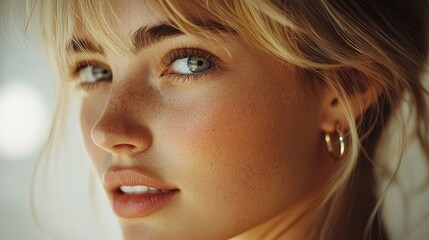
{"x":226,"y":131}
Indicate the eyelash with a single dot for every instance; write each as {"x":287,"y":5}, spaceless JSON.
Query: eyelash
{"x":166,"y":63}
{"x":75,"y":71}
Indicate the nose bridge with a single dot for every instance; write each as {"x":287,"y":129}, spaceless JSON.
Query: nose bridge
{"x":122,"y":127}
{"x":122,"y":98}
{"x":130,"y":90}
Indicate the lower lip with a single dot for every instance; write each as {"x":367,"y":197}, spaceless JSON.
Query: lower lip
{"x":140,"y":205}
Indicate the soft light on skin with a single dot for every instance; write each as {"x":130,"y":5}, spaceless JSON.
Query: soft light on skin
{"x":22,"y":120}
{"x":242,"y":143}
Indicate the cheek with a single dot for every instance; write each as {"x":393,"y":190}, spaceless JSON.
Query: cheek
{"x":252,"y":139}
{"x":244,"y":148}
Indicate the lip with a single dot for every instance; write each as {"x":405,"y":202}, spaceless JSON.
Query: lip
{"x":136,"y":205}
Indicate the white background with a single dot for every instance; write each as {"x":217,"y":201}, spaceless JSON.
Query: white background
{"x":20,"y":67}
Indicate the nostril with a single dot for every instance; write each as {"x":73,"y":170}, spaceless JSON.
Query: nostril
{"x":121,"y":135}
{"x":124,"y":147}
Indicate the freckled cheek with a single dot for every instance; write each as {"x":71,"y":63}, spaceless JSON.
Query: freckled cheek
{"x":220,"y":164}
{"x":222,"y":143}
{"x":231,"y":150}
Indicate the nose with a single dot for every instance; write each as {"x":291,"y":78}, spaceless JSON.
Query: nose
{"x":121,"y":129}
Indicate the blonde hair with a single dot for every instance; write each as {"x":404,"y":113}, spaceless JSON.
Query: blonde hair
{"x":348,"y":46}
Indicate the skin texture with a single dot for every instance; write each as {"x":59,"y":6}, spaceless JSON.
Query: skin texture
{"x":242,"y":142}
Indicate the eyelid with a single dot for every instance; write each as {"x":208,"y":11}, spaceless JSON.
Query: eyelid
{"x":184,"y":52}
{"x":75,"y":68}
{"x":75,"y":78}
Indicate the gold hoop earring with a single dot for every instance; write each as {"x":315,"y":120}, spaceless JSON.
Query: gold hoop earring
{"x":341,"y":142}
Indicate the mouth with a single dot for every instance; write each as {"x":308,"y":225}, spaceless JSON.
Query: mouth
{"x":135,"y":193}
{"x":141,"y":189}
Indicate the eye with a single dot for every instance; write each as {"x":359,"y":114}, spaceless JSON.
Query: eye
{"x":185,"y":64}
{"x":191,"y":65}
{"x":91,"y":74}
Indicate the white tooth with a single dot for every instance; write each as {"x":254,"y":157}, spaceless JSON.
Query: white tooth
{"x":134,"y":189}
{"x":142,"y":189}
{"x":126,"y":189}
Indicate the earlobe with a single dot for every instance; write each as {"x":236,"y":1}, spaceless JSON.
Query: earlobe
{"x":334,"y":114}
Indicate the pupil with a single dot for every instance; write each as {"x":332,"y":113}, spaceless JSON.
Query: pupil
{"x":197,"y":64}
{"x":100,"y":73}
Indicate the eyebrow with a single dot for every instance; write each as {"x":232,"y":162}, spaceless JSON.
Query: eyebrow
{"x":146,"y":36}
{"x":79,"y":45}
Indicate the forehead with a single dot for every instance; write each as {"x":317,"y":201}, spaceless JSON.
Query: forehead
{"x":133,"y":25}
{"x":130,"y":15}
{"x":119,"y":19}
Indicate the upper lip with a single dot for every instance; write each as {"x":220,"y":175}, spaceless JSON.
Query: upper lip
{"x":116,"y":177}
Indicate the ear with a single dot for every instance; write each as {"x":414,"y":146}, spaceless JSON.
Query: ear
{"x":334,"y":115}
